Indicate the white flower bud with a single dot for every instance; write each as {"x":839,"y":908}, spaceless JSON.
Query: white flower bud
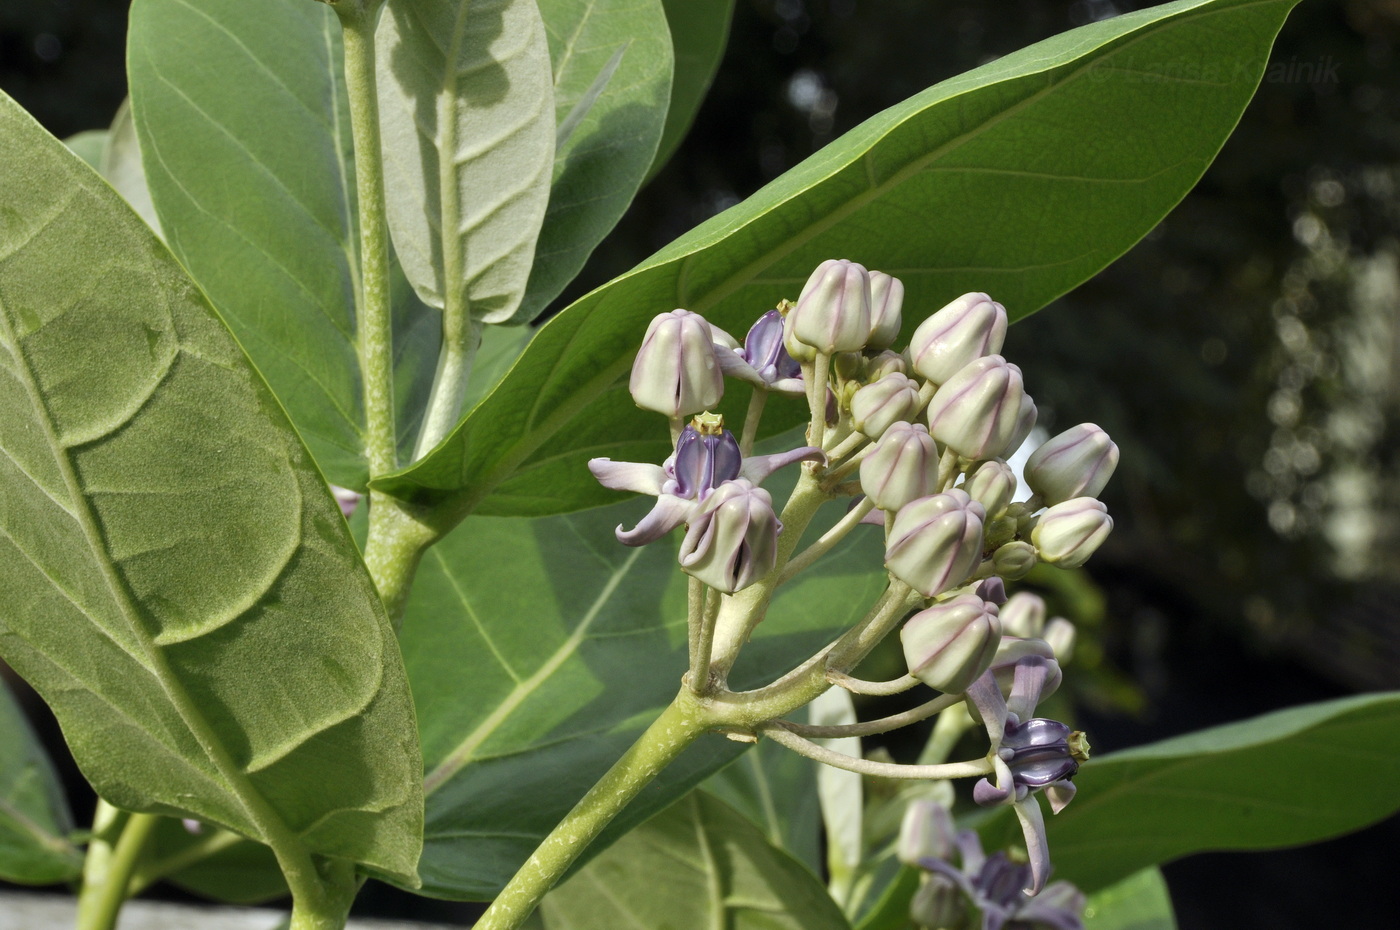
{"x":885,"y":363}
{"x":901,"y":467}
{"x":732,"y":539}
{"x":970,"y":327}
{"x":976,"y":411}
{"x":1068,"y":533}
{"x":950,"y":644}
{"x":877,"y":406}
{"x":1060,"y":634}
{"x":992,"y":484}
{"x":1014,"y":560}
{"x":936,"y":542}
{"x":677,"y":371}
{"x":1025,"y":422}
{"x":833,"y":313}
{"x":1076,"y":463}
{"x":1023,"y":615}
{"x":886,"y":301}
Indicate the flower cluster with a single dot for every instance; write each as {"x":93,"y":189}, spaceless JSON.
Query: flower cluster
{"x":919,"y":441}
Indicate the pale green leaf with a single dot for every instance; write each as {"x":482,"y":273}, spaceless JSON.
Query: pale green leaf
{"x":1139,"y":902}
{"x":466,"y":110}
{"x":696,"y":866}
{"x":241,"y":112}
{"x":180,"y":586}
{"x":88,"y":146}
{"x":34,"y":817}
{"x":612,"y":77}
{"x":1022,"y":178}
{"x":121,"y":166}
{"x":699,"y":32}
{"x":841,"y":793}
{"x":572,"y":644}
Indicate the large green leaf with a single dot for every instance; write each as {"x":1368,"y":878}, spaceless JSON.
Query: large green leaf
{"x":34,"y":817}
{"x":696,"y":866}
{"x":1277,"y":780}
{"x":572,"y":644}
{"x":777,"y":790}
{"x":1139,"y":902}
{"x":699,"y":32}
{"x":179,"y":583}
{"x":612,"y":77}
{"x":1022,"y":178}
{"x":466,"y":111}
{"x":241,"y":112}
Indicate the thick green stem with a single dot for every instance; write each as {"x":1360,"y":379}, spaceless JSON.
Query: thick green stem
{"x":376,"y":318}
{"x":328,"y":908}
{"x":108,"y":871}
{"x":399,"y":534}
{"x":461,"y":337}
{"x":677,"y":727}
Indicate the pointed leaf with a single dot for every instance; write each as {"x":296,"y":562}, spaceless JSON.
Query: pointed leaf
{"x":572,"y":643}
{"x":466,"y":109}
{"x":716,"y":869}
{"x":180,"y":585}
{"x":699,"y":33}
{"x":1256,"y":784}
{"x":240,"y":108}
{"x":612,"y":78}
{"x":34,"y":817}
{"x":1022,"y":178}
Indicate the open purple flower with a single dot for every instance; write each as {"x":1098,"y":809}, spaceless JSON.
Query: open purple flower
{"x":998,"y":889}
{"x":706,"y":456}
{"x":763,"y":360}
{"x":1030,"y":753}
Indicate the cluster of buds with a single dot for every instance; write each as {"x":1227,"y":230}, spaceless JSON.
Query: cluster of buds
{"x":920,"y":439}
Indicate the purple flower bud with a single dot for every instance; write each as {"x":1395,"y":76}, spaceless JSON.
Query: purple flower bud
{"x":975,"y":412}
{"x":992,"y":484}
{"x":1014,"y":560}
{"x":886,"y":363}
{"x":886,"y":301}
{"x":901,"y":467}
{"x":707,"y":455}
{"x":936,"y":542}
{"x":833,"y":313}
{"x":970,"y":327}
{"x":926,"y":832}
{"x":1060,"y":634}
{"x":677,"y":371}
{"x":949,"y":645}
{"x":1076,"y":463}
{"x":1023,"y":615}
{"x":763,"y":360}
{"x":1069,"y":532}
{"x":877,"y":406}
{"x":732,"y":540}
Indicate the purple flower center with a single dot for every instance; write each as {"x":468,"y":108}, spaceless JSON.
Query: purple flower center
{"x":764,"y":350}
{"x":704,"y":461}
{"x":1038,"y":752}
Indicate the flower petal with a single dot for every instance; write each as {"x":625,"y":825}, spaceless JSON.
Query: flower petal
{"x":758,"y":467}
{"x":637,"y":477}
{"x":1059,"y":794}
{"x":669,"y":513}
{"x":1037,"y":847}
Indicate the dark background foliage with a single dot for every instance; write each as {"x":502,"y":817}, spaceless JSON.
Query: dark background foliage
{"x":1245,"y":356}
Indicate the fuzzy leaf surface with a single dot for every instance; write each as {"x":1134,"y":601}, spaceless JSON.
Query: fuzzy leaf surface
{"x":465,"y":101}
{"x":180,"y":586}
{"x":716,"y":868}
{"x":1023,"y":178}
{"x":612,"y":79}
{"x":242,"y":118}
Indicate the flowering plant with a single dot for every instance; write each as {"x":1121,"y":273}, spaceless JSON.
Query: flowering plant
{"x":293,"y":286}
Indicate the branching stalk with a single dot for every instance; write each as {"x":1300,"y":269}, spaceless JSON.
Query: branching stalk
{"x":779,"y":733}
{"x":871,"y":727}
{"x":757,"y":400}
{"x":880,"y":688}
{"x":827,"y":540}
{"x":107,"y":875}
{"x":700,"y":668}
